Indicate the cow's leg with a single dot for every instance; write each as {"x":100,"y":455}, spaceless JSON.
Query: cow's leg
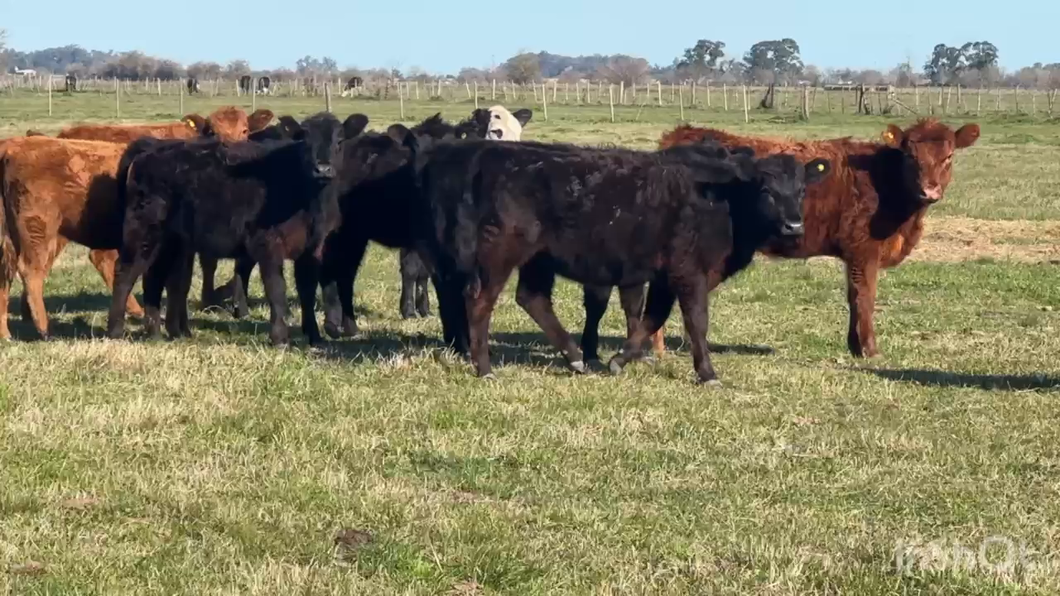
{"x":595,"y":299}
{"x":633,"y":299}
{"x":271,"y":269}
{"x":129,"y":268}
{"x":240,"y":286}
{"x":480,"y":300}
{"x":423,"y":296}
{"x":534,"y":294}
{"x":33,"y":282}
{"x":210,"y":296}
{"x":657,"y":309}
{"x":861,"y":296}
{"x":339,"y":318}
{"x":178,"y":286}
{"x":164,"y":268}
{"x":105,"y":261}
{"x":6,"y":277}
{"x":407,"y":305}
{"x":306,"y":278}
{"x":693,"y":297}
{"x":450,"y":285}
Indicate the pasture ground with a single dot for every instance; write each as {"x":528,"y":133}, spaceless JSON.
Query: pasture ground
{"x":380,"y":465}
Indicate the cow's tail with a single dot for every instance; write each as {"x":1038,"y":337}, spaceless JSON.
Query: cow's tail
{"x":8,"y":258}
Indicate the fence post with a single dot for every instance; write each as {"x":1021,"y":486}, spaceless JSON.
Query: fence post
{"x":180,"y":89}
{"x":979,"y":100}
{"x":805,"y":103}
{"x":49,"y":95}
{"x":544,"y":101}
{"x":746,"y":115}
{"x":725,"y":96}
{"x":611,"y":101}
{"x":681,"y":100}
{"x":401,"y":99}
{"x":692,"y":102}
{"x":493,"y":95}
{"x":658,"y":87}
{"x":476,"y":95}
{"x":708,"y":94}
{"x":327,"y":96}
{"x":1016,"y":93}
{"x":117,"y":99}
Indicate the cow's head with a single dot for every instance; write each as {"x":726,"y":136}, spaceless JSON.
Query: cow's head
{"x":506,"y":126}
{"x":260,"y":119}
{"x":928,"y":148}
{"x":322,"y":136}
{"x":783,"y":181}
{"x":373,"y":155}
{"x":767,"y":193}
{"x":229,"y":124}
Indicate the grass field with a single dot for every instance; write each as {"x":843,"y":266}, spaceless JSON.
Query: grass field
{"x":380,"y":465}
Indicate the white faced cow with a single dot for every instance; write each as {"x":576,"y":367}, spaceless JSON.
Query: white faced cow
{"x":506,"y":126}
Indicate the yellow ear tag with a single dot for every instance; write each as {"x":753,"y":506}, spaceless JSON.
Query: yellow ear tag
{"x":190,"y":123}
{"x":820,"y":167}
{"x":889,"y":134}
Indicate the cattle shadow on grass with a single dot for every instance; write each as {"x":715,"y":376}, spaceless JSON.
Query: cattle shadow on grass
{"x":382,"y":345}
{"x":940,"y":378}
{"x":611,"y":344}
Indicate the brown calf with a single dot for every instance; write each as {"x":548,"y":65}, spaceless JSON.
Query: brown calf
{"x":57,"y":190}
{"x":54,"y":191}
{"x":870,"y":212}
{"x":229,"y":123}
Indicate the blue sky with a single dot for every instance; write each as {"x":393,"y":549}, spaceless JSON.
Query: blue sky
{"x":442,"y":36}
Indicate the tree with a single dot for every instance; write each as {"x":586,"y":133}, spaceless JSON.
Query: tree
{"x":328,"y":65}
{"x":624,"y":69}
{"x":523,"y":68}
{"x":945,"y":65}
{"x":979,"y":55}
{"x":701,"y":60}
{"x":903,"y":75}
{"x":3,"y":49}
{"x":205,"y":70}
{"x":774,"y":61}
{"x":237,"y":68}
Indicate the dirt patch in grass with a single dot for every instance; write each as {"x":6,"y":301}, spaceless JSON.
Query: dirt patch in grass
{"x":953,"y":239}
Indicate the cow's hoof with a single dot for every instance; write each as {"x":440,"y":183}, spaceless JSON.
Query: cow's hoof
{"x":712,"y":383}
{"x":614,"y":367}
{"x":489,"y":377}
{"x":579,"y":367}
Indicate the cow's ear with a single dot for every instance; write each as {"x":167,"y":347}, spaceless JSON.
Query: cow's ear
{"x":195,"y":122}
{"x":523,"y":116}
{"x":402,"y":136}
{"x":288,"y":126}
{"x":259,"y":119}
{"x":893,"y":136}
{"x":354,"y":125}
{"x":967,"y":135}
{"x":817,"y":169}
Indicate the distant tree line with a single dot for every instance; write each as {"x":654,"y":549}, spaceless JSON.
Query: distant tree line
{"x":972,"y":64}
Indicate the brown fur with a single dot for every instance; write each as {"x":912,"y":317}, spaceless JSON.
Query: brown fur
{"x":229,"y":123}
{"x":869,"y":213}
{"x":54,"y":191}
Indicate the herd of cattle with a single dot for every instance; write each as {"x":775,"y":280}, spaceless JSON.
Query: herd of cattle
{"x":465,"y":210}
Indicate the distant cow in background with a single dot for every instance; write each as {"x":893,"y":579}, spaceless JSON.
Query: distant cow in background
{"x":264,"y":86}
{"x":193,"y":85}
{"x":244,"y":84}
{"x":351,"y":85}
{"x":71,"y":82}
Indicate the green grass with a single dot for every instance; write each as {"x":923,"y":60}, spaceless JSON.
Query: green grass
{"x":220,"y":465}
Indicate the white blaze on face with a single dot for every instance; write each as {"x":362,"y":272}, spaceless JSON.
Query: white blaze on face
{"x":505,"y":126}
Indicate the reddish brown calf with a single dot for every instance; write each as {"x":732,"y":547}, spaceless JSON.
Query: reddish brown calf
{"x":870,"y":212}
